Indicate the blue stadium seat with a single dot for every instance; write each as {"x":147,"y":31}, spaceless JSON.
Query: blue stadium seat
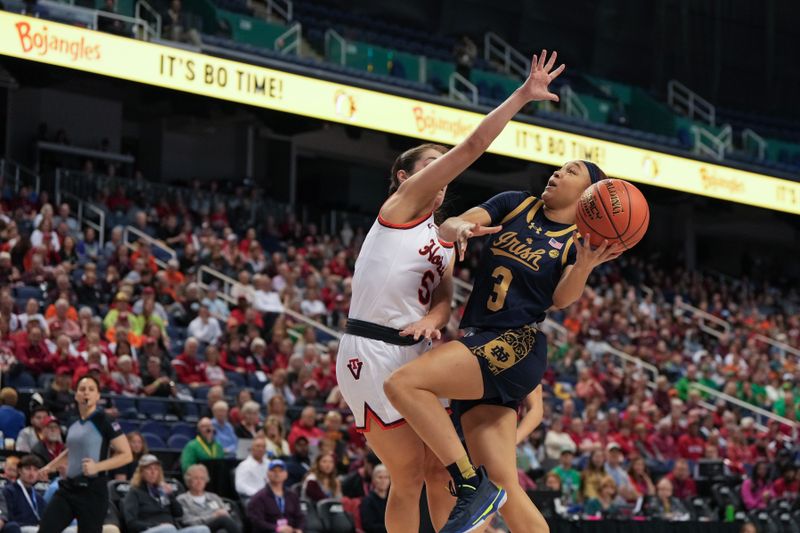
{"x":177,"y":441}
{"x":156,"y":428}
{"x":183,"y":429}
{"x":154,"y":441}
{"x":24,"y":292}
{"x":155,"y":409}
{"x":128,"y":425}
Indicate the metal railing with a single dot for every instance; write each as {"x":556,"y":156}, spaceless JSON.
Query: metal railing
{"x":463,"y":89}
{"x":753,"y":139}
{"x":284,"y":8}
{"x":15,"y":175}
{"x":708,"y":144}
{"x":143,"y":10}
{"x":511,"y":60}
{"x":228,"y":283}
{"x":704,"y":317}
{"x":157,"y":245}
{"x":778,"y":344}
{"x":83,"y":207}
{"x":572,"y":103}
{"x":290,"y":41}
{"x":685,"y":101}
{"x":333,"y":38}
{"x":759,"y":413}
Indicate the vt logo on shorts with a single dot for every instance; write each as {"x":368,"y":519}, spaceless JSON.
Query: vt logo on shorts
{"x":354,"y":366}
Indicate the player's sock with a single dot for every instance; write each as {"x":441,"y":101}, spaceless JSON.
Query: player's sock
{"x":462,"y":471}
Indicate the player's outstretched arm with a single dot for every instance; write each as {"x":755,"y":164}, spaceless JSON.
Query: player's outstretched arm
{"x":473,"y":223}
{"x":416,"y":192}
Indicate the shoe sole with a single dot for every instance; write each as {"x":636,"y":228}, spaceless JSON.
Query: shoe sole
{"x":497,"y":503}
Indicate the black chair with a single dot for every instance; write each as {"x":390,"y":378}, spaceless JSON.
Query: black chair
{"x":334,"y":517}
{"x":313,"y":521}
{"x":785,"y":521}
{"x":700,"y":509}
{"x":764,"y":522}
{"x":724,"y":495}
{"x":117,"y":490}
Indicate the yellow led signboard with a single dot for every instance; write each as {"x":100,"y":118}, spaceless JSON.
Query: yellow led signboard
{"x":128,"y":59}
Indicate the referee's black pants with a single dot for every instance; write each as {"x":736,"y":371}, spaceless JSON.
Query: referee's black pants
{"x":86,"y":502}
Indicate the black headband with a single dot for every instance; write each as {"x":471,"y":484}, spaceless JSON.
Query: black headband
{"x":594,"y":171}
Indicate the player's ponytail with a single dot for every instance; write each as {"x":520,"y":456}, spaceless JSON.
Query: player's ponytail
{"x":407,"y":160}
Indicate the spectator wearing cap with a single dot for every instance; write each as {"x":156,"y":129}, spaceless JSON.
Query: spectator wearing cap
{"x":570,"y":477}
{"x":187,"y":367}
{"x":51,"y":443}
{"x":204,"y":508}
{"x":12,"y":421}
{"x":251,"y":474}
{"x":306,"y":426}
{"x":300,"y":462}
{"x":683,"y":486}
{"x":225,"y":434}
{"x":275,"y":508}
{"x":615,"y":469}
{"x":278,"y":385}
{"x":25,"y":504}
{"x":151,"y":504}
{"x":309,"y":395}
{"x":32,"y":434}
{"x":202,"y":447}
{"x":129,"y":383}
{"x":205,"y":328}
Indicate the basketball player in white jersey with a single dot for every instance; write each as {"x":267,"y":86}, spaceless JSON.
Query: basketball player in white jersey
{"x":402,"y":289}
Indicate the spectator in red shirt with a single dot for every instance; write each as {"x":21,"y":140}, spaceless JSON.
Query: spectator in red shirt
{"x":662,"y":442}
{"x":691,"y":444}
{"x":306,"y":427}
{"x":787,"y":486}
{"x":187,"y":367}
{"x":33,"y":352}
{"x":588,"y":388}
{"x":683,"y":486}
{"x":738,"y":452}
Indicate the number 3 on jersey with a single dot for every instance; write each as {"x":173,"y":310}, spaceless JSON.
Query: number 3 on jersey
{"x":497,"y":298}
{"x":426,"y":287}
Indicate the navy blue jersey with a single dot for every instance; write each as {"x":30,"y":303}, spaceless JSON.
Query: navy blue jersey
{"x":520,"y":266}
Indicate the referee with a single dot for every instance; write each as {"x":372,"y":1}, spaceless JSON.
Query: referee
{"x":84,"y":492}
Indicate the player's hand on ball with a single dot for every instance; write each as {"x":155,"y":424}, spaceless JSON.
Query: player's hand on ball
{"x":591,"y":257}
{"x":542,"y":74}
{"x":422,"y":328}
{"x":468,"y":230}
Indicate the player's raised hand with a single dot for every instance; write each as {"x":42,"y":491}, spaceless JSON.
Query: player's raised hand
{"x":467,"y":230}
{"x":542,"y":74}
{"x":591,"y":257}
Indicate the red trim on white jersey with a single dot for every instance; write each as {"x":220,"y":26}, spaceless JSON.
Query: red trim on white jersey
{"x":408,"y":225}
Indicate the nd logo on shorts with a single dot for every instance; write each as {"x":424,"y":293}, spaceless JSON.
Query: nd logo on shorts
{"x":500,"y":355}
{"x":508,"y":349}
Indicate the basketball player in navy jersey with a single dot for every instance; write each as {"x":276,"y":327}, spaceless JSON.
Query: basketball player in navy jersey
{"x":532,"y":263}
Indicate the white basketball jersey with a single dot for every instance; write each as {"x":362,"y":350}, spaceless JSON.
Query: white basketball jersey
{"x":396,"y":272}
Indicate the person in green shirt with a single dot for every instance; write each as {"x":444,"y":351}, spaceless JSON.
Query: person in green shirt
{"x":570,"y":478}
{"x":201,"y":447}
{"x":787,"y":399}
{"x":692,"y":376}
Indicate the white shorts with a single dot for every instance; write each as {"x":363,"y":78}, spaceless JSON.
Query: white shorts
{"x":362,"y":366}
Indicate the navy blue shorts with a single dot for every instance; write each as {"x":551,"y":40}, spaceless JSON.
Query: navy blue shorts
{"x":512,"y":364}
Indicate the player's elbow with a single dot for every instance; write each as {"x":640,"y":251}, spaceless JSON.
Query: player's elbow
{"x":560,"y":301}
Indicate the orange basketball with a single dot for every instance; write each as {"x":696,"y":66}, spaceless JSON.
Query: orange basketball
{"x":615,"y":210}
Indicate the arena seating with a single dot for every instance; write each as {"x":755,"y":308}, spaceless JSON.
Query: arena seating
{"x":598,"y":399}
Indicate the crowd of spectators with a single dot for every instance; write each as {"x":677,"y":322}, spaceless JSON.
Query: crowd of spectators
{"x":144,"y":326}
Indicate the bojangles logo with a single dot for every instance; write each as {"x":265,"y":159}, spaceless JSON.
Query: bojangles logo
{"x":40,"y":41}
{"x":508,"y":245}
